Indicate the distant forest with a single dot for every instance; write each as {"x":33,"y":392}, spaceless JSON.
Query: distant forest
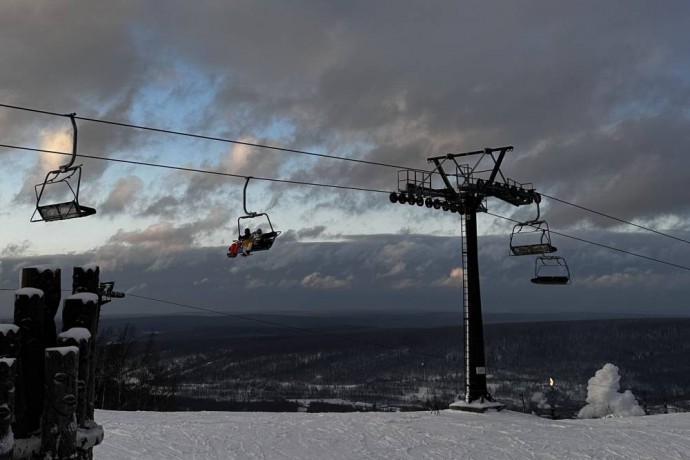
{"x":349,"y":368}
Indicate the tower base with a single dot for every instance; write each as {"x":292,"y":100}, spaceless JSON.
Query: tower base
{"x":478,"y":405}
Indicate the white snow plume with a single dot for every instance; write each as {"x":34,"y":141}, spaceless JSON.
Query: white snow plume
{"x":604,"y":396}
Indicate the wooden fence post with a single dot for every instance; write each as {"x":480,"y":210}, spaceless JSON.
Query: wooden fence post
{"x":87,"y":279}
{"x":28,"y":315}
{"x":81,"y":338}
{"x":8,"y":371}
{"x":81,"y":311}
{"x":59,"y":430}
{"x":10,"y":349}
{"x":47,"y":279}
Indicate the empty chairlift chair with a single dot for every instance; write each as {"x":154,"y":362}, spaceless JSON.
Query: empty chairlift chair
{"x":531,"y":238}
{"x":552,"y":270}
{"x":56,"y":198}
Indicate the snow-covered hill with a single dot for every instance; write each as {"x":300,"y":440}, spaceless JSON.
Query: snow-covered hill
{"x":377,"y":435}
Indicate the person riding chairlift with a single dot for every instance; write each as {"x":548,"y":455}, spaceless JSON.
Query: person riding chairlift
{"x":246,"y":242}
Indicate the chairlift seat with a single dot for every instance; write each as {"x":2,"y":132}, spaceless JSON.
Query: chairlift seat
{"x":265,"y":241}
{"x":553,"y":280}
{"x":532,"y":249}
{"x":62,"y":211}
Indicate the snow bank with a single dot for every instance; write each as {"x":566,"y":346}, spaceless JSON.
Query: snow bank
{"x":390,"y":435}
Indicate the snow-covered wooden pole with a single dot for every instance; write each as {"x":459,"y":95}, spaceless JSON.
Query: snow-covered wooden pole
{"x":81,"y":311}
{"x":87,"y":279}
{"x":8,"y":372}
{"x":28,"y":315}
{"x":47,"y":279}
{"x":9,"y":349}
{"x":81,"y":338}
{"x":59,"y":423}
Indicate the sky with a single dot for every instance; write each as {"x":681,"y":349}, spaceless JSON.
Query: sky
{"x":382,"y":435}
{"x":593,"y":97}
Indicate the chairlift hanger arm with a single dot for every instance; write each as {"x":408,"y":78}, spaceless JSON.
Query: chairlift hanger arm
{"x":244,"y":198}
{"x":65,"y":167}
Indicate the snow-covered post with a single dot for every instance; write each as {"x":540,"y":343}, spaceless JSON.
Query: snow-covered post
{"x":47,"y":279}
{"x":81,"y":311}
{"x":8,"y":372}
{"x":28,"y":315}
{"x":81,"y":338}
{"x":59,"y":430}
{"x":9,"y":349}
{"x":87,"y":279}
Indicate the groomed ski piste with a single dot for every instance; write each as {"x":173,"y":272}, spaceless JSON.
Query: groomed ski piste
{"x":451,"y":434}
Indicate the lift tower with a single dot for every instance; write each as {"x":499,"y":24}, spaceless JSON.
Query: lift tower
{"x":464,"y":190}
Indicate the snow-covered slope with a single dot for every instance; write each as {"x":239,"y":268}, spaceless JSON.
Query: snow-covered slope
{"x":409,"y":435}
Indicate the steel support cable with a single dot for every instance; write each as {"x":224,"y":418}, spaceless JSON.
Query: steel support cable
{"x":303,"y":152}
{"x":211,"y":138}
{"x":623,"y":221}
{"x":601,"y":245}
{"x":277,"y":324}
{"x":342,"y":187}
{"x":203,"y":171}
{"x":286,"y":326}
{"x":323,"y":334}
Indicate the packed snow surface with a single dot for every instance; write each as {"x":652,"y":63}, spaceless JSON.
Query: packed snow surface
{"x":385,"y":435}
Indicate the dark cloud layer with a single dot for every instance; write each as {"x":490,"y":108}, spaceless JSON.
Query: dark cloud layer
{"x":384,"y":272}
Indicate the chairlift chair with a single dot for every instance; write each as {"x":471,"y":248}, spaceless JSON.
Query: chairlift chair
{"x":58,"y":182}
{"x":551,"y":270}
{"x":531,"y":238}
{"x":263,"y":240}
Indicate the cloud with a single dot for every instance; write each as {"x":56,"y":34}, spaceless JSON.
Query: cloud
{"x":454,"y":279}
{"x":16,"y":249}
{"x":593,"y":97}
{"x":56,"y":140}
{"x":123,"y":196}
{"x":317,"y":281}
{"x":311,"y":232}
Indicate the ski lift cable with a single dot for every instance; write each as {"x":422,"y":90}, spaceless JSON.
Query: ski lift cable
{"x":341,"y":187}
{"x":623,"y":221}
{"x":325,"y":334}
{"x":278,"y":324}
{"x":601,"y":245}
{"x":195,"y":170}
{"x":304,"y":152}
{"x":211,"y":138}
{"x":286,"y":326}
